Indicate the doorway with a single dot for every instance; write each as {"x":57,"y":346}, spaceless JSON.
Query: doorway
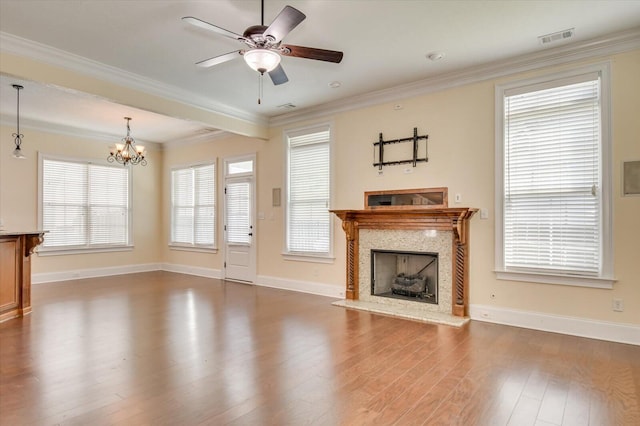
{"x":239,"y":219}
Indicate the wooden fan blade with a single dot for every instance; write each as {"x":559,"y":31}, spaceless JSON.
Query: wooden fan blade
{"x":311,"y":53}
{"x":207,"y":26}
{"x":278,"y":76}
{"x":287,"y":19}
{"x":218,"y":59}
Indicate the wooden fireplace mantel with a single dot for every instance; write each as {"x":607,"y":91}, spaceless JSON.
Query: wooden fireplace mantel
{"x":445,"y":219}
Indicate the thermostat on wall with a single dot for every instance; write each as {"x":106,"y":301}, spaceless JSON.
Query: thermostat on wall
{"x":631,"y":178}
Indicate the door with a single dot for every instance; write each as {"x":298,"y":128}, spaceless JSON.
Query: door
{"x":239,"y":228}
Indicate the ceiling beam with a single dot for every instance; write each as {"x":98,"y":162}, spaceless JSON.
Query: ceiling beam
{"x":30,"y":69}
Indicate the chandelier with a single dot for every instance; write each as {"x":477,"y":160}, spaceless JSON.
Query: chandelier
{"x":17,"y":153}
{"x":127,"y":152}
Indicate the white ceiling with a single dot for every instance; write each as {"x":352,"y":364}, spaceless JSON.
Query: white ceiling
{"x":385,"y":44}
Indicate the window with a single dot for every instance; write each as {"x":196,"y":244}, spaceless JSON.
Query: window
{"x":308,"y":230}
{"x":238,"y":223}
{"x":84,"y":206}
{"x":553,"y":190}
{"x":193,"y":206}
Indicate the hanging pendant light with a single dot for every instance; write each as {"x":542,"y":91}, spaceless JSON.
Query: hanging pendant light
{"x":17,"y":152}
{"x":127,"y":152}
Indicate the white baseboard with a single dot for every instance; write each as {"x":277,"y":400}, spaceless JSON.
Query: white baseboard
{"x":320,"y":289}
{"x":78,"y":274}
{"x":192,"y":270}
{"x":602,"y":330}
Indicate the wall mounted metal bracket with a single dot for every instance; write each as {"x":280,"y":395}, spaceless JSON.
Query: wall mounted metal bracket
{"x":379,"y":147}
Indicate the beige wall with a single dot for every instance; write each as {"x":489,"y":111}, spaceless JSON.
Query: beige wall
{"x":269,"y":231}
{"x":184,"y":155}
{"x":19,"y":197}
{"x":460,"y":124}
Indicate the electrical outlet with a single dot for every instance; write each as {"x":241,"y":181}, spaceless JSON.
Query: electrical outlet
{"x":617,"y":305}
{"x":484,"y":214}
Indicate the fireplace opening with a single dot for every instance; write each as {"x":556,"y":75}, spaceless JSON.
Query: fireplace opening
{"x":405,"y":275}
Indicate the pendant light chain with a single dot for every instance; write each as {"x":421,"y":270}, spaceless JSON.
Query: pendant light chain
{"x":17,"y":137}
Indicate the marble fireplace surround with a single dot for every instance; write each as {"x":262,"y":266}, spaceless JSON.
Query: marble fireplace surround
{"x":432,"y":241}
{"x":443,"y":230}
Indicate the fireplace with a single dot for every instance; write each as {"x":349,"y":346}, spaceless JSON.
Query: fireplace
{"x":372,"y":242}
{"x":411,"y":232}
{"x":405,"y":275}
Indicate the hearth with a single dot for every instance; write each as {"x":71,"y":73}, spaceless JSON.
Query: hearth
{"x":405,"y":275}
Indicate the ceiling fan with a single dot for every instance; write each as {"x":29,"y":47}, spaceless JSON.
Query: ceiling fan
{"x":264,"y":44}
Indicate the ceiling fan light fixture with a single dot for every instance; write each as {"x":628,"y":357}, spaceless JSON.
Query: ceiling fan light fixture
{"x":262,"y":60}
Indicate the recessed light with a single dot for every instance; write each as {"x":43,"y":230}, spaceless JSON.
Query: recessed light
{"x":335,"y":84}
{"x":435,"y":56}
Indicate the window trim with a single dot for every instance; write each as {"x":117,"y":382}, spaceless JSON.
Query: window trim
{"x":324,"y":257}
{"x":605,"y":279}
{"x":56,"y":251}
{"x":202,"y":248}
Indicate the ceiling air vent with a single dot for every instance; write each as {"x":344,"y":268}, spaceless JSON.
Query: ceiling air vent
{"x":287,"y":106}
{"x":555,"y":37}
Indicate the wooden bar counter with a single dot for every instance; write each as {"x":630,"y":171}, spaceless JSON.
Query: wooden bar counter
{"x":16,"y":249}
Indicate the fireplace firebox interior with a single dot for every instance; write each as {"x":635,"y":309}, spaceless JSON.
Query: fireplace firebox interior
{"x":405,"y":275}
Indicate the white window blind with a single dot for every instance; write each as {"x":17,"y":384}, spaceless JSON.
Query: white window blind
{"x":193,"y":196}
{"x":238,"y":208}
{"x":552,"y":186}
{"x":309,"y":182}
{"x":84,"y":205}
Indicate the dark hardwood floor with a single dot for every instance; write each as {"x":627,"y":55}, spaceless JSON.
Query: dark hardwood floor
{"x":168,"y":349}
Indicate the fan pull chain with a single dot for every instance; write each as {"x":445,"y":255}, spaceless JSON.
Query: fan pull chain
{"x":260,"y":88}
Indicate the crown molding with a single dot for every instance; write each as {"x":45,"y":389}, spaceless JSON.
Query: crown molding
{"x":608,"y":45}
{"x":59,"y":129}
{"x":12,"y":44}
